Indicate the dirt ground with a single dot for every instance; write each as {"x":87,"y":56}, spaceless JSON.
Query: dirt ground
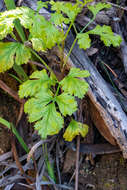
{"x":108,"y":172}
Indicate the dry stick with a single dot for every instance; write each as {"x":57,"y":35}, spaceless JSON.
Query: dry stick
{"x":117,"y":6}
{"x":80,"y":119}
{"x":115,"y":75}
{"x":11,"y":92}
{"x":37,"y":64}
{"x":21,"y":111}
{"x":14,"y":151}
{"x":77,"y":162}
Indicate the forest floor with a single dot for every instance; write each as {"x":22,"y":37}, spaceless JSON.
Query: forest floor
{"x":104,"y":171}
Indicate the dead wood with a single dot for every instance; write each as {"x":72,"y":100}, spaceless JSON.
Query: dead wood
{"x":105,"y":110}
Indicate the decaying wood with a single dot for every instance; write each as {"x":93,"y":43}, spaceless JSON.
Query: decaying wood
{"x":123,"y":46}
{"x":106,"y":111}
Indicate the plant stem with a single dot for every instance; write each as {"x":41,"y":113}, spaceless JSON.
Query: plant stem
{"x":20,"y":72}
{"x":88,"y":24}
{"x":75,"y":29}
{"x":44,"y":63}
{"x":69,"y":53}
{"x":68,"y":30}
{"x":57,"y":91}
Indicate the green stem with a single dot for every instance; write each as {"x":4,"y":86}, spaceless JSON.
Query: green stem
{"x":88,"y":24}
{"x":68,"y":55}
{"x":75,"y":29}
{"x":20,"y":72}
{"x":76,"y":40}
{"x":42,"y":61}
{"x":57,"y":91}
{"x":68,"y":30}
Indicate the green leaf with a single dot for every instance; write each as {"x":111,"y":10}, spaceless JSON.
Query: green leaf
{"x":41,"y":107}
{"x":98,"y":7}
{"x":74,"y":86}
{"x":75,"y":128}
{"x":66,"y":103}
{"x":51,"y":123}
{"x":39,"y":80}
{"x":67,"y":8}
{"x":13,"y":52}
{"x":46,"y":31}
{"x":58,"y":19}
{"x":84,"y":41}
{"x":38,"y":44}
{"x":76,"y":72}
{"x":24,"y":14}
{"x":36,"y":106}
{"x":41,"y":5}
{"x":106,"y":35}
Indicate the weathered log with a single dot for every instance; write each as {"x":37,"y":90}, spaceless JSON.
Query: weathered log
{"x":105,"y":110}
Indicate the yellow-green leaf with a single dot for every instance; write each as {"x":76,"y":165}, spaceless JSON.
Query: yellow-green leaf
{"x":75,"y":128}
{"x":73,"y":85}
{"x":46,"y":32}
{"x":24,"y":14}
{"x":35,"y":107}
{"x":51,"y":123}
{"x":106,"y":35}
{"x":13,"y":52}
{"x":98,"y":7}
{"x":66,"y":103}
{"x":38,"y":44}
{"x":84,"y":41}
{"x":67,"y":8}
{"x":31,"y":87}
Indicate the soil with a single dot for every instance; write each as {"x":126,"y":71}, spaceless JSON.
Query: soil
{"x":109,"y":172}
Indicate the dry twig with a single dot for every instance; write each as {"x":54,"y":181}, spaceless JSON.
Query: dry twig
{"x":11,"y":92}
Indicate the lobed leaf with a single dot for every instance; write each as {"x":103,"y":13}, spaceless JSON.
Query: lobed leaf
{"x":39,"y":80}
{"x":7,"y":18}
{"x":95,"y":9}
{"x":13,"y":52}
{"x":75,"y":128}
{"x":67,"y":8}
{"x":38,"y":44}
{"x":84,"y":41}
{"x":51,"y":123}
{"x":74,"y":86}
{"x":41,"y":5}
{"x":106,"y":35}
{"x":46,"y":32}
{"x":36,"y":106}
{"x":66,"y":103}
{"x":58,"y":19}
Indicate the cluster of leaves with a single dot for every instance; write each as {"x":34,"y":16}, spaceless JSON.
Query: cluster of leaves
{"x":44,"y":34}
{"x":50,"y":100}
{"x":47,"y":107}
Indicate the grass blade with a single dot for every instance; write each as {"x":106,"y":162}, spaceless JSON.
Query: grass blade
{"x":11,"y":126}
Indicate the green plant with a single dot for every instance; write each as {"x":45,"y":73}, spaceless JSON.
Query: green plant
{"x":50,"y":100}
{"x":10,"y":126}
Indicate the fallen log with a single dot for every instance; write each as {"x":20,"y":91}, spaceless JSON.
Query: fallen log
{"x":105,"y":110}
